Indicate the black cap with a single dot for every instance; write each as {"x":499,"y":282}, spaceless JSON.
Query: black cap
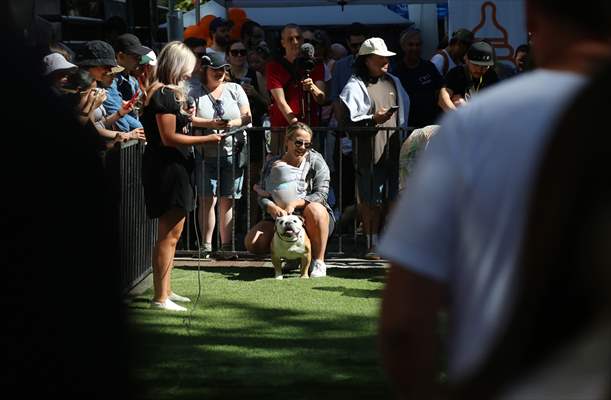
{"x":130,"y":44}
{"x":214,"y":60}
{"x":481,"y":53}
{"x":218,"y":22}
{"x":95,"y":53}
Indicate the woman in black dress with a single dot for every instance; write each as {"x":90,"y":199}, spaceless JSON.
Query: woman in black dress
{"x":167,"y":163}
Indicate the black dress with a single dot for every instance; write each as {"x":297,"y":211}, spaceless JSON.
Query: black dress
{"x":166,"y":171}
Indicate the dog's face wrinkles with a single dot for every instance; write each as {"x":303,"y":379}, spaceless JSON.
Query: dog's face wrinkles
{"x":288,"y":226}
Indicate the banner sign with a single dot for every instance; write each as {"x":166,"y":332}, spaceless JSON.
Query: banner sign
{"x":502,"y":23}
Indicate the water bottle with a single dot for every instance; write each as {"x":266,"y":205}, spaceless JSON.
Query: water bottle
{"x":268,"y":133}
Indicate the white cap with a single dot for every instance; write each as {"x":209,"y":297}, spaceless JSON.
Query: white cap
{"x":149,"y":58}
{"x":375,"y":45}
{"x":56,"y":62}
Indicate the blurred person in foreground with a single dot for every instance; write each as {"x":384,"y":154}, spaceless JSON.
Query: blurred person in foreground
{"x":557,"y":342}
{"x":62,"y":336}
{"x":454,"y":240}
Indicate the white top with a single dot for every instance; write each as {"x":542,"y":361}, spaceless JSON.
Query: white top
{"x":461,"y":220}
{"x":287,"y":183}
{"x":438,"y":60}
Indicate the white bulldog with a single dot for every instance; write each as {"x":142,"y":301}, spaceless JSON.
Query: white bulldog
{"x":290,"y":242}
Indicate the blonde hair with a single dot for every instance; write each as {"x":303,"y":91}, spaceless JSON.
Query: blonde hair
{"x":292,"y":129}
{"x":175,"y":61}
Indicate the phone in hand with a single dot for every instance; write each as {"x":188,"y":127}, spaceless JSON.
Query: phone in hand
{"x":132,"y":100}
{"x":392,"y":110}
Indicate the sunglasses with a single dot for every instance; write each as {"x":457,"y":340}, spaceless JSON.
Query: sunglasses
{"x":238,"y":52}
{"x":301,"y":143}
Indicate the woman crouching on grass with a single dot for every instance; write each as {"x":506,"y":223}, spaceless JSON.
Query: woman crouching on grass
{"x":295,"y":183}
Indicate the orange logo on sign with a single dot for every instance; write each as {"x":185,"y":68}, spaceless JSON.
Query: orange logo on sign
{"x":496,"y":34}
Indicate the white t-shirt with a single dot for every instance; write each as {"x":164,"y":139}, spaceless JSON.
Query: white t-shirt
{"x":439,"y":60}
{"x":461,"y":220}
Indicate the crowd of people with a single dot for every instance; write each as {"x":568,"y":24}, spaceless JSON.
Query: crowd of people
{"x":503,"y":224}
{"x":195,"y":106}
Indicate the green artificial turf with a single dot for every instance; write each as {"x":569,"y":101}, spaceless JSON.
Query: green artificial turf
{"x":251,"y":336}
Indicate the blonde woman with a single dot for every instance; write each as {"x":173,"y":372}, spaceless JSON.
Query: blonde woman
{"x":168,"y":164}
{"x":296,"y":182}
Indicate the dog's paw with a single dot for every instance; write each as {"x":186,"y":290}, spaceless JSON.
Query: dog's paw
{"x":279,"y":277}
{"x":305,"y":276}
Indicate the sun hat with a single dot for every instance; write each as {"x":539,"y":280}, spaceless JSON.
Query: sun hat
{"x":56,"y":62}
{"x":96,"y":53}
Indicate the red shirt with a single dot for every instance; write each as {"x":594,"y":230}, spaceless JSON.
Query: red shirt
{"x":277,"y":78}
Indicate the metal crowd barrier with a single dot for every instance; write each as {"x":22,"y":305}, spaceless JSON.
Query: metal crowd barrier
{"x":340,"y":165}
{"x":136,"y":233}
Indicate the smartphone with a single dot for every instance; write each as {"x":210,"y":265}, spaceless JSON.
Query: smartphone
{"x":392,"y":110}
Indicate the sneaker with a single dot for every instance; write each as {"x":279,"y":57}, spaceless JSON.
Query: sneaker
{"x":176,"y":297}
{"x":372,"y":254}
{"x":168,"y":305}
{"x":319,"y":269}
{"x":225,"y":253}
{"x":206,"y":250}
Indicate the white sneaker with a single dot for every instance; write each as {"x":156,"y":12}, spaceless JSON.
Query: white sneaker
{"x":176,"y":297}
{"x":167,"y":305}
{"x":319,"y":269}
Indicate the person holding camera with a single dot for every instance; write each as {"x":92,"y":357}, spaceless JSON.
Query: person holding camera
{"x":374,"y":98}
{"x":222,"y":106}
{"x":290,"y":86}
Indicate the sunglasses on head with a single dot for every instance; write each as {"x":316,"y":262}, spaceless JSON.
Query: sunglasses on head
{"x":238,"y":52}
{"x":300,"y":143}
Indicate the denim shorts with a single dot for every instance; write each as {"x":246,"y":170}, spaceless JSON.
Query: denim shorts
{"x":208,"y":174}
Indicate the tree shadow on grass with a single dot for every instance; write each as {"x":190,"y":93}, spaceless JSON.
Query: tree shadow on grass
{"x":270,"y":353}
{"x":352,"y":292}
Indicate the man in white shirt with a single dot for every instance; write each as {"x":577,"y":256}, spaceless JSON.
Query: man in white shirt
{"x":453,"y":55}
{"x":455,"y":237}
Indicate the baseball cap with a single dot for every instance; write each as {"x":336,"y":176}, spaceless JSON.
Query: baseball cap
{"x":481,"y":53}
{"x":130,"y":44}
{"x":96,"y":53}
{"x":56,"y":62}
{"x":214,"y":60}
{"x":218,"y":22}
{"x":149,"y":58}
{"x":464,"y":35}
{"x":375,"y":45}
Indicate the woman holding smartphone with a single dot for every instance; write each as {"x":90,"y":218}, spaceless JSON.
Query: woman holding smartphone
{"x":373,"y":97}
{"x":167,"y":164}
{"x":218,"y":170}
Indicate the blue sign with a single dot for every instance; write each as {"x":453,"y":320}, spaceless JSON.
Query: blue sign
{"x":401,"y":9}
{"x":442,"y":10}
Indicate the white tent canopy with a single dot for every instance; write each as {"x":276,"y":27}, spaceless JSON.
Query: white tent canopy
{"x":315,"y":3}
{"x":317,"y":15}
